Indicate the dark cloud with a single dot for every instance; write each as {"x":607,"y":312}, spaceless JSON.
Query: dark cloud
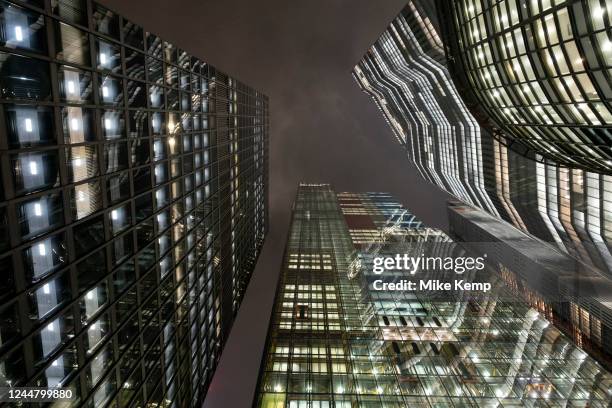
{"x":323,"y":128}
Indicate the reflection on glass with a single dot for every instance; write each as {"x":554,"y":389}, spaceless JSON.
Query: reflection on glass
{"x":111,"y":90}
{"x":22,"y":29}
{"x":44,"y":256}
{"x":74,"y":11}
{"x":35,"y":171}
{"x":136,"y":93}
{"x":105,"y":21}
{"x":29,"y":125}
{"x":157,"y":123}
{"x":118,"y":187}
{"x":107,"y":388}
{"x":40,"y":214}
{"x":82,"y":162}
{"x":72,"y":44}
{"x":85,"y":199}
{"x":122,"y":248}
{"x":113,"y":126}
{"x":75,"y":85}
{"x":88,"y":235}
{"x":120,"y":219}
{"x":92,"y":301}
{"x":160,"y":173}
{"x":47,"y":297}
{"x":155,"y":69}
{"x":96,"y":332}
{"x":156,"y":96}
{"x":109,"y":56}
{"x":59,"y":369}
{"x":133,"y":34}
{"x":50,"y":336}
{"x":77,"y":124}
{"x":115,"y":157}
{"x":134,"y":64}
{"x":140,"y":152}
{"x":169,"y":52}
{"x":24,"y":78}
{"x":139,"y":124}
{"x":161,"y":196}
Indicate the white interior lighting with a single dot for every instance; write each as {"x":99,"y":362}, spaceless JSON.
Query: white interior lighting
{"x":103,"y":58}
{"x":42,"y":249}
{"x":77,"y":162}
{"x":598,"y":12}
{"x":18,"y":33}
{"x":33,"y":168}
{"x":105,"y":91}
{"x":37,"y":209}
{"x":46,"y":289}
{"x":28,"y":125}
{"x":70,"y":87}
{"x":81,"y":196}
{"x":108,"y":124}
{"x":50,"y":327}
{"x":114,"y":215}
{"x":74,"y":124}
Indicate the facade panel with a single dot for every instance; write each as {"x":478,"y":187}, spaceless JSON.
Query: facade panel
{"x":539,"y":72}
{"x":405,"y":72}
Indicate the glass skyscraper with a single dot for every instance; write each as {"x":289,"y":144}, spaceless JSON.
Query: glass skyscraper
{"x":572,"y":295}
{"x":335,"y":342}
{"x":538,"y":73}
{"x":454,"y":144}
{"x":133,"y":206}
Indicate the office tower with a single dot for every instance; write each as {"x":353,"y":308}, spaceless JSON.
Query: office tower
{"x":335,"y":342}
{"x":567,"y":292}
{"x":536,"y":73}
{"x":405,"y":72}
{"x":133,"y":206}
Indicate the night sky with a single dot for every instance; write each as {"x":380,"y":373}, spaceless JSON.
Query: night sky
{"x":322,"y":127}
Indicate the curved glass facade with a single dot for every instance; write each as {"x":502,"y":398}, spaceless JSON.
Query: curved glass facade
{"x":405,"y":72}
{"x":540,"y":71}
